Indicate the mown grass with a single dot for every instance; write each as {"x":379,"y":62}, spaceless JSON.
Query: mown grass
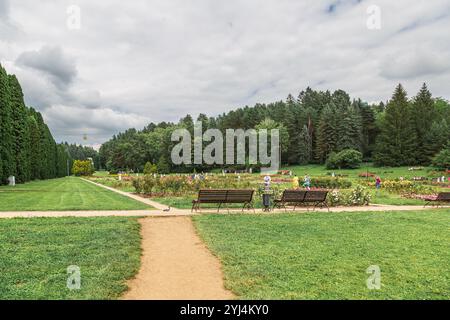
{"x":62,"y":195}
{"x":326,"y":255}
{"x":35,"y":254}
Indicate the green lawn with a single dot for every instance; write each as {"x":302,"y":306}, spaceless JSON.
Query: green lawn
{"x":35,"y":254}
{"x":63,"y":194}
{"x":326,"y":255}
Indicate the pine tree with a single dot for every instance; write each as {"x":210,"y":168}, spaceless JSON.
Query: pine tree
{"x":397,"y":140}
{"x":423,"y":114}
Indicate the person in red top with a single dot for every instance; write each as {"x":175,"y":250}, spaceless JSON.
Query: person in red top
{"x":378,"y":183}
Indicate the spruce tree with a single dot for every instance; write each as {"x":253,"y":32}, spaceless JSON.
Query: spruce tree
{"x":436,"y":138}
{"x":423,"y":115}
{"x":293,"y":127}
{"x":305,"y":146}
{"x":327,"y":139}
{"x":397,"y":140}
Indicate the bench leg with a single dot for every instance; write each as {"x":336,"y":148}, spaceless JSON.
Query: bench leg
{"x":218,"y":208}
{"x":195,"y":206}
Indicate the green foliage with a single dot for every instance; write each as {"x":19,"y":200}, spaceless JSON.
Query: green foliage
{"x":330,"y":183}
{"x":312,"y":126}
{"x":346,"y":159}
{"x":163,"y":165}
{"x":423,"y":116}
{"x":150,"y":168}
{"x":27,"y":148}
{"x":396,"y":144}
{"x":442,"y":159}
{"x":83,"y":168}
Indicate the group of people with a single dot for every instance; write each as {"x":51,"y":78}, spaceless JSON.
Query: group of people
{"x":306,"y":182}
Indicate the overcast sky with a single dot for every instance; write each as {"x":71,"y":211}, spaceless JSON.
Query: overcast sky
{"x":133,"y":62}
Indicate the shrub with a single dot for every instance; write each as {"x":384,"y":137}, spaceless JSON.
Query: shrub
{"x":330,"y":183}
{"x":149,"y":182}
{"x":150,"y":168}
{"x":359,"y":197}
{"x":346,"y":159}
{"x":83,"y":168}
{"x":138,"y":184}
{"x":334,"y":198}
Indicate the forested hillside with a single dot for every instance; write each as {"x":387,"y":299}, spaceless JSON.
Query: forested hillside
{"x":27,"y":148}
{"x":315,"y":124}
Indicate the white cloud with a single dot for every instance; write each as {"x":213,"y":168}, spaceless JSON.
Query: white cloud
{"x":158,"y":60}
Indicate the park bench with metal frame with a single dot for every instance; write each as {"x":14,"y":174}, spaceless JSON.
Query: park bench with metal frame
{"x":443,"y":197}
{"x":298,"y":197}
{"x":224,"y":197}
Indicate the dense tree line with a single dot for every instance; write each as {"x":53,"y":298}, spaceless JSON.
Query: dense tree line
{"x":316,"y":125}
{"x":404,"y":132}
{"x":27,"y":148}
{"x":80,"y":152}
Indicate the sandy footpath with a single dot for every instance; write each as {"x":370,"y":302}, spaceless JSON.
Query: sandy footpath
{"x":176,"y":264}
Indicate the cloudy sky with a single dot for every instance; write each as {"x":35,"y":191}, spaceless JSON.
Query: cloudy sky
{"x":133,"y":62}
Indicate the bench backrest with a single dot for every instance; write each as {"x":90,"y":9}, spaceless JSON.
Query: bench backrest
{"x":316,"y":195}
{"x":239,"y":196}
{"x":443,"y":196}
{"x":293,"y":195}
{"x":212,"y":196}
{"x":225,"y":196}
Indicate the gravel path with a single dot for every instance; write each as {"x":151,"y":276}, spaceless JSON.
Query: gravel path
{"x":176,"y":264}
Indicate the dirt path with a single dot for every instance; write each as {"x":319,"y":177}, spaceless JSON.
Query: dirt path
{"x":176,"y":264}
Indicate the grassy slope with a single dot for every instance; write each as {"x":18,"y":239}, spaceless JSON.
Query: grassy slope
{"x":325,"y":256}
{"x":35,"y":254}
{"x":62,"y":195}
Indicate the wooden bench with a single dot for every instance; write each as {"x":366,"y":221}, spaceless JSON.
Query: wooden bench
{"x":297,"y":197}
{"x":225,"y":197}
{"x":443,"y":197}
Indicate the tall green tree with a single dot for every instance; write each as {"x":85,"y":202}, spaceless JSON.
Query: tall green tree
{"x":305,"y":146}
{"x":423,"y":115}
{"x":327,"y":138}
{"x":7,"y":155}
{"x":21,"y":146}
{"x":397,"y":140}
